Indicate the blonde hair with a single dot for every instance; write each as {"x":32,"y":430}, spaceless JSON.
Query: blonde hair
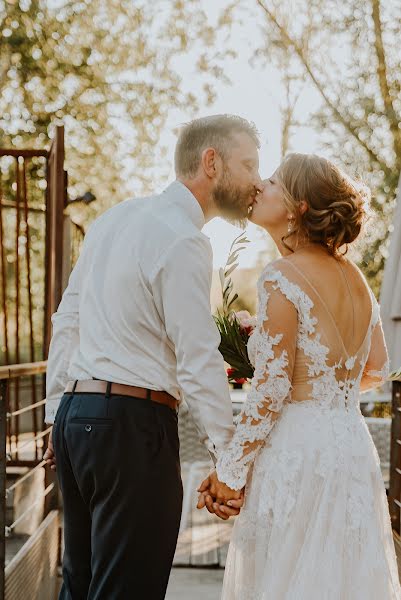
{"x":216,"y":132}
{"x":336,"y":204}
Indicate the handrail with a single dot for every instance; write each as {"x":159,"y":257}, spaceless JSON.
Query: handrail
{"x":8,"y":528}
{"x":21,"y":370}
{"x":25,"y":477}
{"x":26,"y":409}
{"x":39,"y":436}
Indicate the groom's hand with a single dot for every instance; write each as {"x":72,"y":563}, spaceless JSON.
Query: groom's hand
{"x":218,"y":498}
{"x":49,"y":455}
{"x":221,"y":510}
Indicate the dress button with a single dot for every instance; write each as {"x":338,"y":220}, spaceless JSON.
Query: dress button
{"x":88,"y":428}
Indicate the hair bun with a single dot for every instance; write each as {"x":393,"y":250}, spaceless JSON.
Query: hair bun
{"x":337,"y":204}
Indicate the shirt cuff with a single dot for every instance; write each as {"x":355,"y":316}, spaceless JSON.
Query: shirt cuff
{"x":211,"y":448}
{"x":51,"y":410}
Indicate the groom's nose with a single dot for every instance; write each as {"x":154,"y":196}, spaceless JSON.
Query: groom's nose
{"x":258,"y":183}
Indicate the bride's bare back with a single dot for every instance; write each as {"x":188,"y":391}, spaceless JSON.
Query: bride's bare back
{"x":347,"y":322}
{"x":319,"y":339}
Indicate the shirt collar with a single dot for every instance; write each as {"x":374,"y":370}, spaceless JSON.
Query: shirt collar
{"x":182,"y":197}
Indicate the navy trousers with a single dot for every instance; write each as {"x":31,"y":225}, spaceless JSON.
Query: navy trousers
{"x":118,"y":468}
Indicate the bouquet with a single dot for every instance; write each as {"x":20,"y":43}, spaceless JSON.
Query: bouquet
{"x":235,"y":328}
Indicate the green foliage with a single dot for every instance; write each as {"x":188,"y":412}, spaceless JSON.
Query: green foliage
{"x":232,"y":263}
{"x":233,"y":345}
{"x":107,"y":70}
{"x":348,"y":56}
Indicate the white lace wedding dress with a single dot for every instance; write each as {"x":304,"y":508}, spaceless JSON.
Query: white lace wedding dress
{"x":315,"y":525}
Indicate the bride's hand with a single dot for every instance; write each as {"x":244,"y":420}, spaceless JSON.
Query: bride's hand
{"x":219,"y":498}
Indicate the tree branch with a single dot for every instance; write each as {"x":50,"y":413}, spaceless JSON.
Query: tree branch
{"x":288,"y":117}
{"x":383,"y":80}
{"x":289,"y":41}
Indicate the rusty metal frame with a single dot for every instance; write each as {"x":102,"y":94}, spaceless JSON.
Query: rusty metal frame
{"x":54,"y":202}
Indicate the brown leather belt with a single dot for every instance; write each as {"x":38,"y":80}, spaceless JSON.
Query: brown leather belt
{"x":95,"y":386}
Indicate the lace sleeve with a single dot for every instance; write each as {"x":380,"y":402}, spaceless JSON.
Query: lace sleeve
{"x":376,"y":369}
{"x":275,"y":347}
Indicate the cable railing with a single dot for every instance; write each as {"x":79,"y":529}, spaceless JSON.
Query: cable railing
{"x":24,"y":450}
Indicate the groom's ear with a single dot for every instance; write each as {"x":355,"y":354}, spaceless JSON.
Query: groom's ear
{"x":211,"y":162}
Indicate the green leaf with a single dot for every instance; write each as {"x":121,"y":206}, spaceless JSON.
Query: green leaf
{"x":231,"y":269}
{"x":228,"y":288}
{"x":221,"y":275}
{"x":231,"y":259}
{"x":233,"y":300}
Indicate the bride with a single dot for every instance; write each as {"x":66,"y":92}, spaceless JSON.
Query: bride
{"x":315,"y":523}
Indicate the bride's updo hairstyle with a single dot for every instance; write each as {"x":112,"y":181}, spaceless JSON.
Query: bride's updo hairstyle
{"x":336,"y":205}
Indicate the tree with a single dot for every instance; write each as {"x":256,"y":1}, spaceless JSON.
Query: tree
{"x":349,"y":54}
{"x":106,"y":68}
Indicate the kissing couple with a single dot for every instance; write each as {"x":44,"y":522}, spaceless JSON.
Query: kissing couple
{"x":133,"y":337}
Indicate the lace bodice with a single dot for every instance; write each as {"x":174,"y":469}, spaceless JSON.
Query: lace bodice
{"x":299,"y":356}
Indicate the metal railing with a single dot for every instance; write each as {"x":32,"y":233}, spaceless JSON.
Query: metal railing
{"x":12,"y":446}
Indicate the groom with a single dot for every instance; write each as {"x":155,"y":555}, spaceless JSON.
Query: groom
{"x":132,"y":337}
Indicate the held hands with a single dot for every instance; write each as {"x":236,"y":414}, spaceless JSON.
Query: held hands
{"x":219,"y":498}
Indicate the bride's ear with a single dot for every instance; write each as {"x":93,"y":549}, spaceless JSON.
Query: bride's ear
{"x":303,"y":207}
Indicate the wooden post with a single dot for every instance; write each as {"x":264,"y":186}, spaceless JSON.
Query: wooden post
{"x":67,"y":246}
{"x":56,"y":201}
{"x":3,"y":463}
{"x":395,"y":458}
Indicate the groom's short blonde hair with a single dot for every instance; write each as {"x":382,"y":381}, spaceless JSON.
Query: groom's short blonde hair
{"x":215,"y":132}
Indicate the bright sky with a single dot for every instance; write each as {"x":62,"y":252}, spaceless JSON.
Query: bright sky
{"x":255,"y":94}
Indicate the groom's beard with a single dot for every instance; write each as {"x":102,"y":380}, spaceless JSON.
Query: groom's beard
{"x":232,"y":201}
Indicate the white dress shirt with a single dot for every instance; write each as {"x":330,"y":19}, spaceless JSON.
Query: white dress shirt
{"x":137,"y":311}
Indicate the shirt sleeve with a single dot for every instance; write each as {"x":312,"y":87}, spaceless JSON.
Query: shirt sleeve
{"x":64,"y":341}
{"x":181,"y":288}
{"x":271,"y":385}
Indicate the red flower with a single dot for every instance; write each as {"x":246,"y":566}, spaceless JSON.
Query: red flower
{"x":230,"y":373}
{"x":245,"y":321}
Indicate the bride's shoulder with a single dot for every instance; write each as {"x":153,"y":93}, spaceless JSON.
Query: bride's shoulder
{"x":278,"y":269}
{"x":279,"y":275}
